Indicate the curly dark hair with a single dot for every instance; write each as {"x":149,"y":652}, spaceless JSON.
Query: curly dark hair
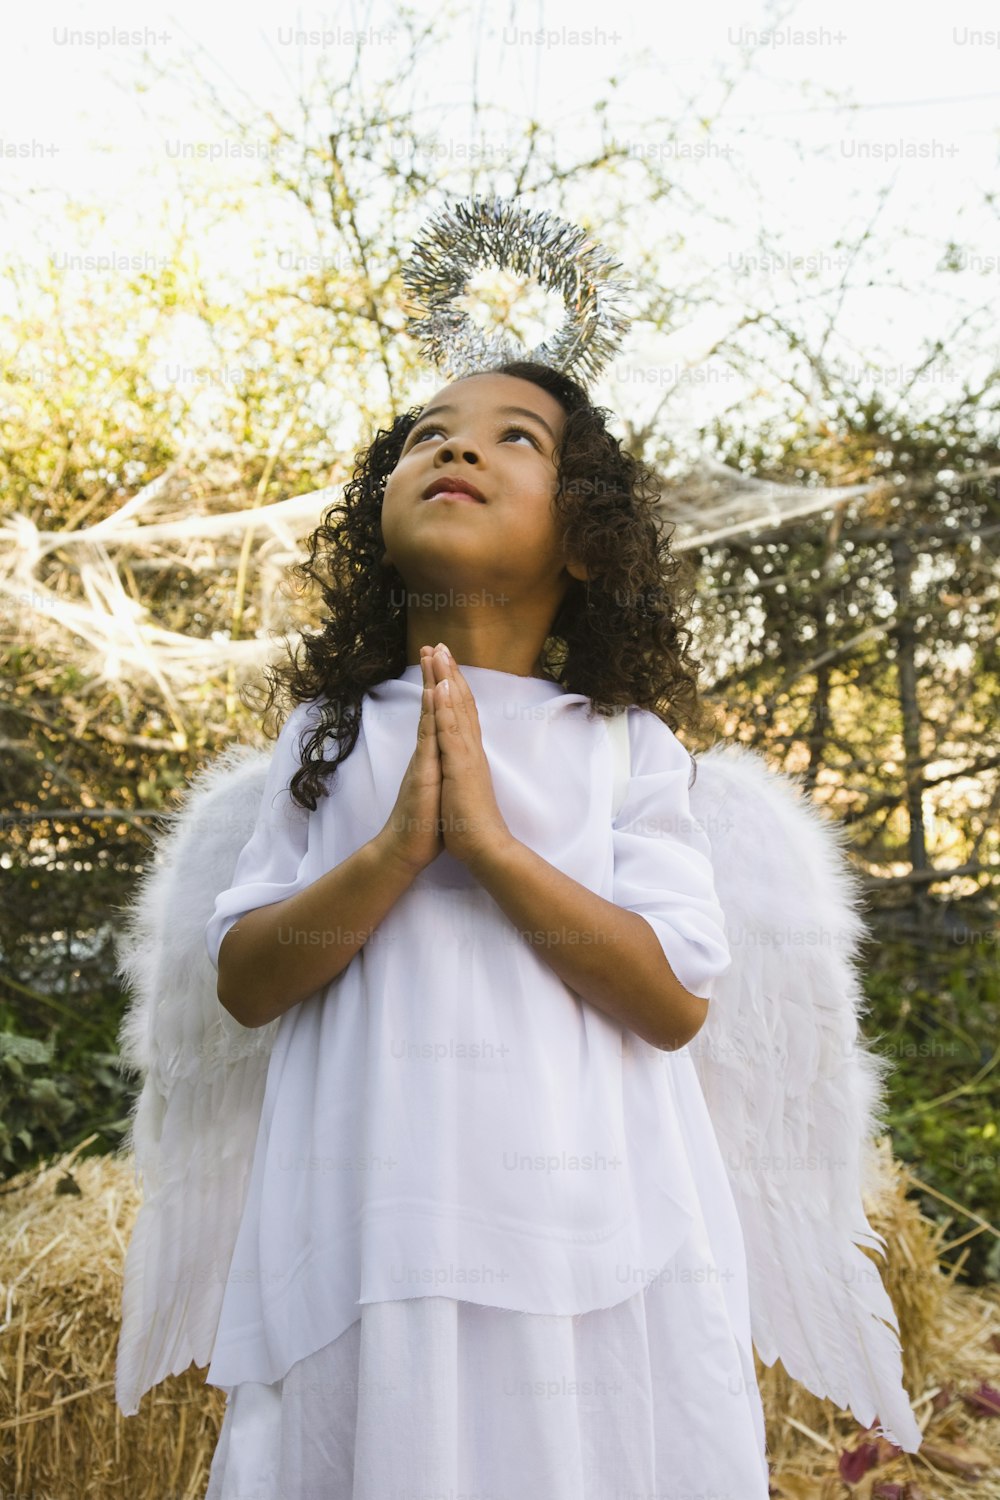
{"x":619,"y":637}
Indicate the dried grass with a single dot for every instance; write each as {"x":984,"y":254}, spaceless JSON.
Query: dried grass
{"x":65,"y":1231}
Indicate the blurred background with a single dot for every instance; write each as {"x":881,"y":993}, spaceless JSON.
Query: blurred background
{"x":204,"y":214}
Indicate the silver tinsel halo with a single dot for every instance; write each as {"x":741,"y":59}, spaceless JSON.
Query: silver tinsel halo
{"x":478,"y":232}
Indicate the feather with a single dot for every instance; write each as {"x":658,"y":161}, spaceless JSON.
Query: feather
{"x":193,"y":1127}
{"x":794,"y":1090}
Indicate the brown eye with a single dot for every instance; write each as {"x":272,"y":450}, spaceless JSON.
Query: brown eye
{"x":523,"y":432}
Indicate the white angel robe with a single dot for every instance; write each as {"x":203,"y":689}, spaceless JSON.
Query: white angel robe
{"x":446,"y":1118}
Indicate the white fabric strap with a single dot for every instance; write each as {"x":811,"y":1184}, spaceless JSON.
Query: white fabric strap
{"x":622,"y":751}
{"x":617,"y":727}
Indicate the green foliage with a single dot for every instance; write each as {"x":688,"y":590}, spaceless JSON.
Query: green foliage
{"x":54,"y":1094}
{"x":60,"y":1003}
{"x":936,"y":1015}
{"x":29,"y":1102}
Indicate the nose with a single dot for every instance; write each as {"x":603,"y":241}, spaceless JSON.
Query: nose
{"x":446,"y":452}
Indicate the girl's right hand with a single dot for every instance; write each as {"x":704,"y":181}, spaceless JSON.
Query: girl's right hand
{"x":413,"y":834}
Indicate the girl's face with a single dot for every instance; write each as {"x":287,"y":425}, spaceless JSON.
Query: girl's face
{"x":497,"y":433}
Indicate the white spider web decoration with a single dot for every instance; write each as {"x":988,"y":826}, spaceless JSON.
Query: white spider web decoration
{"x":125,"y":644}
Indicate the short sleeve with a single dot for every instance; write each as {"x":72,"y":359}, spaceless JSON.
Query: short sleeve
{"x":663,"y":859}
{"x":271,"y":865}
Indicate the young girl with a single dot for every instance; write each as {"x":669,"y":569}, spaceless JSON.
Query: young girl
{"x":489,"y":1246}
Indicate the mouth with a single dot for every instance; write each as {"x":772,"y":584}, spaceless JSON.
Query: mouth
{"x":448,"y":487}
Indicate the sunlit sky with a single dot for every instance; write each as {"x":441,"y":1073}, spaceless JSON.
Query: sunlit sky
{"x":74,"y":127}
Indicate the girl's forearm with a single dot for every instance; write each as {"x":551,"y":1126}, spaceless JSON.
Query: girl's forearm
{"x":610,"y":957}
{"x":278,"y":955}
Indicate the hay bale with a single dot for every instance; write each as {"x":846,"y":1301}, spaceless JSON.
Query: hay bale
{"x":65,"y":1231}
{"x":66,"y":1227}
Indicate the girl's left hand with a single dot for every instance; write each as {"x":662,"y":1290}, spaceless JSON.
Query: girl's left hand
{"x":472,"y":823}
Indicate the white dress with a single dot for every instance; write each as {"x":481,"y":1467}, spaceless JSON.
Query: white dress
{"x":489,"y":1246}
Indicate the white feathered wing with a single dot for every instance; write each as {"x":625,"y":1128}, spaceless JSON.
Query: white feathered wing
{"x":794,"y":1090}
{"x":194,"y":1124}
